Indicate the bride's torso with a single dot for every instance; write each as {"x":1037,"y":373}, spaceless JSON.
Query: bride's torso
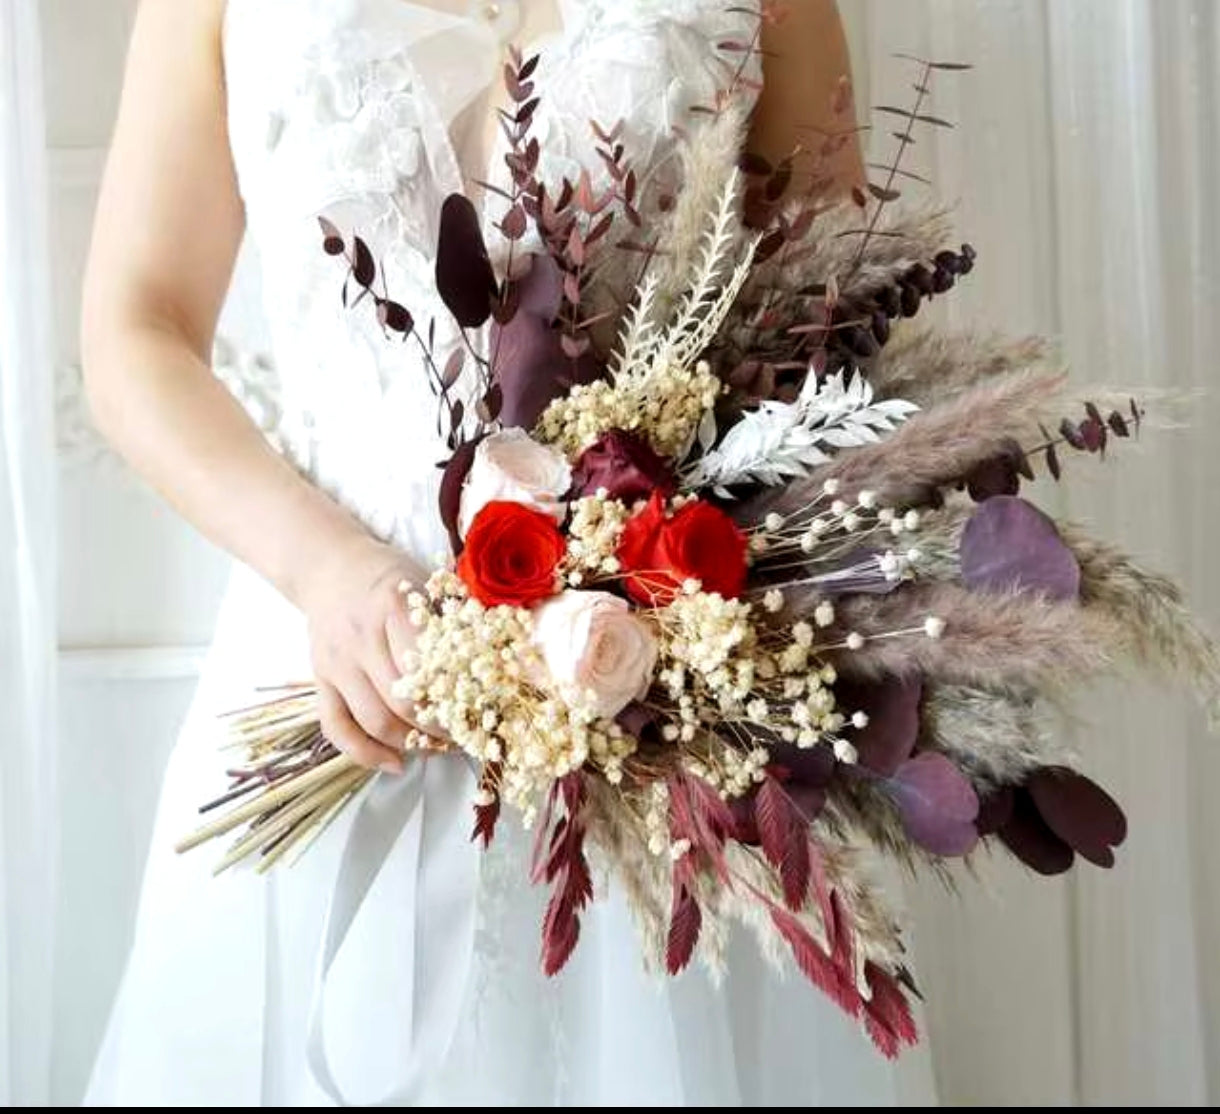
{"x":370,"y":112}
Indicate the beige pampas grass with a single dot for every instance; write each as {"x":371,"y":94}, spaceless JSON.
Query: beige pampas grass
{"x":995,"y":737}
{"x":707,"y":164}
{"x":1152,"y":622}
{"x":926,"y":365}
{"x":1006,"y":641}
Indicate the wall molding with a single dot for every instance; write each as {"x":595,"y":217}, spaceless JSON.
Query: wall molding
{"x":136,"y":663}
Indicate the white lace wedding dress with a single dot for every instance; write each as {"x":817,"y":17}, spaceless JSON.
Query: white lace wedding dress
{"x":395,"y":964}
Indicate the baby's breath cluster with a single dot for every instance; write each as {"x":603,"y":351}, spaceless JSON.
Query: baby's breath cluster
{"x":593,"y":536}
{"x":664,"y":401}
{"x":472,"y":675}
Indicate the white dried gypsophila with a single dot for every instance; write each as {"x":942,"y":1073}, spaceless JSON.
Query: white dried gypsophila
{"x":717,"y":672}
{"x":780,"y":440}
{"x":730,"y":770}
{"x":665,"y":405}
{"x":593,"y":536}
{"x":471,"y":675}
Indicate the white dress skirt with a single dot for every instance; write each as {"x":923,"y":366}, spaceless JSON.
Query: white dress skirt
{"x":395,"y":963}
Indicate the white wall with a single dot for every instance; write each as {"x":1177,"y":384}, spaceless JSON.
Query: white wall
{"x":138,"y":588}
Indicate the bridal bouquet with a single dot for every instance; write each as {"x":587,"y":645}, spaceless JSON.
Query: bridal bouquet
{"x":744,"y":594}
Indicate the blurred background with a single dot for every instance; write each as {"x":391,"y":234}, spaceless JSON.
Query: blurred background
{"x":1085,"y":168}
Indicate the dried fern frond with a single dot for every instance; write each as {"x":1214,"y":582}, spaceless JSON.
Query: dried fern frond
{"x":780,"y":440}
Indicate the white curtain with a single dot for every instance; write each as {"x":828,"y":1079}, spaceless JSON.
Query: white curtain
{"x":28,"y":823}
{"x":1085,"y":168}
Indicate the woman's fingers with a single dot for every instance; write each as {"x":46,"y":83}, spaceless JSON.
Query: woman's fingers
{"x":344,"y":732}
{"x":383,"y":673}
{"x":370,"y":711}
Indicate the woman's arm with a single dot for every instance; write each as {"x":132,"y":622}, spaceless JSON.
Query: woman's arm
{"x":168,"y":226}
{"x":804,"y":63}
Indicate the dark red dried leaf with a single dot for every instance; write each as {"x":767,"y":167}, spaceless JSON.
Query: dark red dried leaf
{"x":527,"y":68}
{"x":1052,"y":462}
{"x":994,"y":810}
{"x":1118,"y":424}
{"x":784,"y":834}
{"x":364,"y":270}
{"x":887,"y":1015}
{"x":1072,"y":435}
{"x":883,"y":194}
{"x":1079,"y":812}
{"x":464,"y":276}
{"x":684,"y":924}
{"x":332,"y":238}
{"x":395,"y":317}
{"x":490,"y":405}
{"x":485,"y":817}
{"x":754,"y":165}
{"x":514,"y":223}
{"x":814,"y":963}
{"x":1028,"y":837}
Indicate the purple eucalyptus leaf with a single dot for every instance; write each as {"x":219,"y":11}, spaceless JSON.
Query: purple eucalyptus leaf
{"x":995,"y":809}
{"x":1027,"y":836}
{"x":938,"y":805}
{"x":540,"y":288}
{"x":530,"y":367}
{"x":1079,"y":812}
{"x":464,"y":277}
{"x":1009,"y":543}
{"x":892,"y":707}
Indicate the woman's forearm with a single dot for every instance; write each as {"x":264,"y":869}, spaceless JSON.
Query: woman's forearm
{"x":179,"y":427}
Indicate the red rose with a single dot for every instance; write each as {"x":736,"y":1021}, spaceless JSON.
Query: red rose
{"x":697,"y":542}
{"x":511,"y":555}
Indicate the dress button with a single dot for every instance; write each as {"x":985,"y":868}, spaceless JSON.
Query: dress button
{"x":503,"y":16}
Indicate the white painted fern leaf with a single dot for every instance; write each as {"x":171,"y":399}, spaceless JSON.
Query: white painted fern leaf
{"x":781,"y":440}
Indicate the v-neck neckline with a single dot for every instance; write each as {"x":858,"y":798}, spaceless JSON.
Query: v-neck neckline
{"x":491,"y":104}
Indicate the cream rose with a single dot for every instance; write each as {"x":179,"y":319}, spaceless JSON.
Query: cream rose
{"x":593,"y":643}
{"x":510,"y":466}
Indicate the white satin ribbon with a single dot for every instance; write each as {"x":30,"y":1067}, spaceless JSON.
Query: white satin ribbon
{"x":437,"y":788}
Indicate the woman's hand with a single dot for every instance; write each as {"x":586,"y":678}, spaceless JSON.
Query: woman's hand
{"x":359,"y":631}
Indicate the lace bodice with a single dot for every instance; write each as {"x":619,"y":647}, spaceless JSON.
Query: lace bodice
{"x":344,"y":108}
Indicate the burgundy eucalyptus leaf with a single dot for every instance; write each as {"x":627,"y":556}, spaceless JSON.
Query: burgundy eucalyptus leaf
{"x":812,"y":766}
{"x":1009,"y":543}
{"x":453,"y":479}
{"x":1027,"y":836}
{"x":1079,"y":812}
{"x":364,"y":270}
{"x":994,"y":810}
{"x":938,"y":805}
{"x":892,"y":707}
{"x":464,"y":277}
